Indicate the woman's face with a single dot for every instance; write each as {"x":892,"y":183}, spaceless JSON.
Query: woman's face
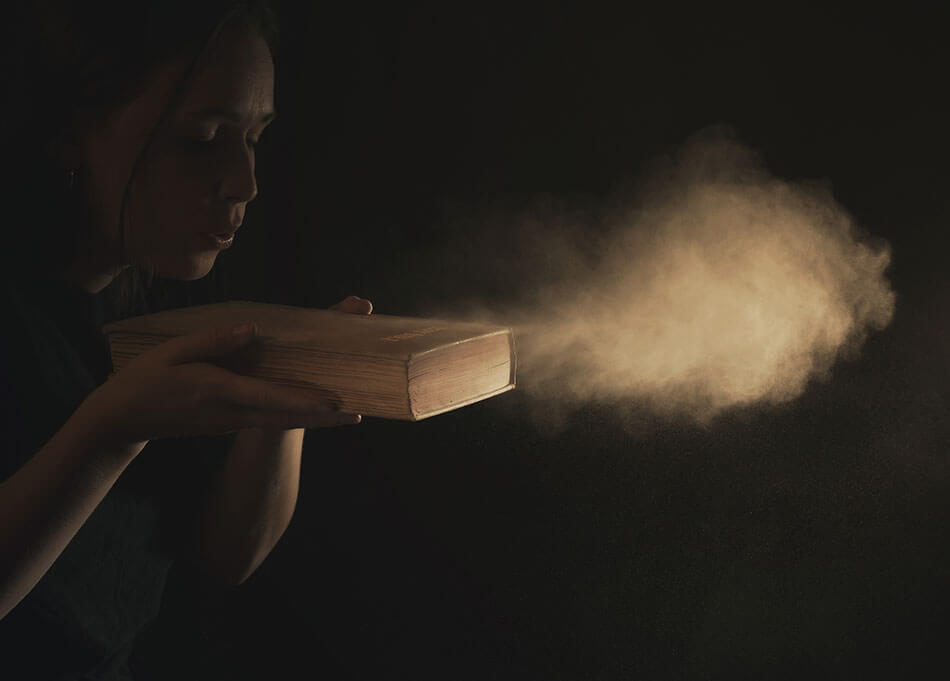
{"x":197,"y":176}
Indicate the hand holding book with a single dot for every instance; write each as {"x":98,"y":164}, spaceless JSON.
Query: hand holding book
{"x":378,"y":365}
{"x":354,"y":305}
{"x":176,"y":389}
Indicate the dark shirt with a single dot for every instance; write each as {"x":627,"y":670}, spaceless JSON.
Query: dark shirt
{"x":81,"y":619}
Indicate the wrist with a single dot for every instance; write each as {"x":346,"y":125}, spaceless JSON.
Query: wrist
{"x":92,"y":434}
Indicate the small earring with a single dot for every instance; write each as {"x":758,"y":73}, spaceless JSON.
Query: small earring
{"x":70,"y":178}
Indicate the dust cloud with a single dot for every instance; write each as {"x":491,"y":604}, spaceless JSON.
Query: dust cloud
{"x":708,"y":285}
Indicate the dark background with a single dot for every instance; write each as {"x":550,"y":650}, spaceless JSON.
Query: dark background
{"x":804,"y":542}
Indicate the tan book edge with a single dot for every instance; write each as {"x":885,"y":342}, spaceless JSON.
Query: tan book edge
{"x":388,"y":366}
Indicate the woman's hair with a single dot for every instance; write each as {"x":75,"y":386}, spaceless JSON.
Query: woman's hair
{"x":72,"y":63}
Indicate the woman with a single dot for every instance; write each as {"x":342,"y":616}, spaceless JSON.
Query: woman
{"x":156,"y":153}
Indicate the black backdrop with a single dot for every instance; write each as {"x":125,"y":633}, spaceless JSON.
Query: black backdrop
{"x":805,"y":542}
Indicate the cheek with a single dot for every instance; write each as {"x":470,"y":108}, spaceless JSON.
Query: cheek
{"x":173,"y":191}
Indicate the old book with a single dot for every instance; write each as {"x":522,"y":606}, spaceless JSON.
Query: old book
{"x":378,"y":365}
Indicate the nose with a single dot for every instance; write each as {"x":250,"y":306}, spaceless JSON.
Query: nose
{"x":238,"y":181}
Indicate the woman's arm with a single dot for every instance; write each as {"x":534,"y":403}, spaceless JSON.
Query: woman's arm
{"x":253,"y":498}
{"x":250,"y":503}
{"x":48,"y":499}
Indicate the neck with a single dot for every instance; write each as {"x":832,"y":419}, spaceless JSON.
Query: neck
{"x":89,"y":274}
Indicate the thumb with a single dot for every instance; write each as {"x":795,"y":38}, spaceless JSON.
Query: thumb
{"x":207,"y":343}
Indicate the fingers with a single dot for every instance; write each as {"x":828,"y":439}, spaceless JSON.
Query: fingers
{"x":315,"y":418}
{"x":354,"y":305}
{"x":330,"y":419}
{"x":205,"y":343}
{"x":268,"y":404}
{"x":221,"y":340}
{"x":257,"y":393}
{"x":287,"y":406}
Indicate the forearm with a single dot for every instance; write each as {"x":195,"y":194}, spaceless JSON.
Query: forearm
{"x":47,"y":500}
{"x":250,"y":503}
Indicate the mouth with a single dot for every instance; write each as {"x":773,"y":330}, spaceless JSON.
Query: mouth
{"x":218,"y":239}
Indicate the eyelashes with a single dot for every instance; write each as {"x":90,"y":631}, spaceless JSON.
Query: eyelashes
{"x":206,"y":143}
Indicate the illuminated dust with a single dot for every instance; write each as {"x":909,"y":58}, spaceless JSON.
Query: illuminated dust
{"x":709,"y":285}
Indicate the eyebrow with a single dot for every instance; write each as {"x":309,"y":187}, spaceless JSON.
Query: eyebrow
{"x":232,"y":116}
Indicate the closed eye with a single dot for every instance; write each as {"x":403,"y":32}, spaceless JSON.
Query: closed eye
{"x":202,"y":138}
{"x":207,"y":139}
{"x":200,"y":145}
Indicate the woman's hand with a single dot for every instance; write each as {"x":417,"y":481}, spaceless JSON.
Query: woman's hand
{"x":354,"y":305}
{"x":174,"y":390}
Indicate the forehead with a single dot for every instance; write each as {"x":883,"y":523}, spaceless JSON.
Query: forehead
{"x":235,"y":73}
